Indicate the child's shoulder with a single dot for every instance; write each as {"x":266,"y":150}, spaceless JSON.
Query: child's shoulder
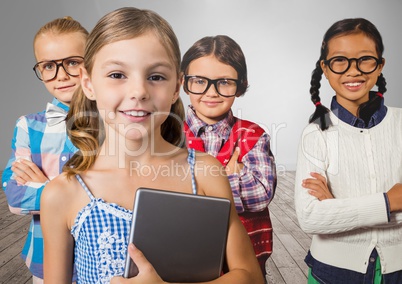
{"x":33,"y":118}
{"x":61,"y":187}
{"x":205,"y":158}
{"x":395,"y":111}
{"x":207,"y":165}
{"x":211,"y":176}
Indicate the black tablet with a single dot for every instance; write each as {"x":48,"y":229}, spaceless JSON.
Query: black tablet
{"x":182,"y":235}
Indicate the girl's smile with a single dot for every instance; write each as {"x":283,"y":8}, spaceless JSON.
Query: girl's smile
{"x":136,"y":116}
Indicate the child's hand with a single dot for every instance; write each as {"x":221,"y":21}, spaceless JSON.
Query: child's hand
{"x":27,"y":171}
{"x":395,"y":197}
{"x":317,"y":186}
{"x":146,"y":274}
{"x":234,"y":167}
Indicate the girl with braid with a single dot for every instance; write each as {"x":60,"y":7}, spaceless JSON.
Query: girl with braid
{"x":348,"y":191}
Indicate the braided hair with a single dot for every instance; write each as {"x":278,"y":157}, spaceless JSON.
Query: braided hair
{"x":346,"y":27}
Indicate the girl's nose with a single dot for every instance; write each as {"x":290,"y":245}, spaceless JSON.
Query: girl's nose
{"x":353,"y":70}
{"x":139,"y":91}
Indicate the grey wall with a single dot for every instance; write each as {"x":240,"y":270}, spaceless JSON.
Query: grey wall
{"x":280,"y":38}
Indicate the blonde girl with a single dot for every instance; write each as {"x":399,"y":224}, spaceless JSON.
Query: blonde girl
{"x":40,"y":146}
{"x":127,"y":115}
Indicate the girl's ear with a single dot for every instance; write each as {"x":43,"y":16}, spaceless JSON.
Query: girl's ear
{"x":381,"y":66}
{"x":324,"y":68}
{"x":86,"y":84}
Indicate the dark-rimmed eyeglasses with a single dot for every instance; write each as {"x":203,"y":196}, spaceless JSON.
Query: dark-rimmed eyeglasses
{"x":199,"y":85}
{"x":47,"y":70}
{"x":341,"y":64}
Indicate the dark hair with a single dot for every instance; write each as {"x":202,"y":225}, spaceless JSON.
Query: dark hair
{"x":226,"y":50}
{"x":346,"y":27}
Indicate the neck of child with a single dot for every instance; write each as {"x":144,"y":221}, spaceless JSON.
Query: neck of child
{"x":210,"y":120}
{"x":351,"y":105}
{"x":123,"y":154}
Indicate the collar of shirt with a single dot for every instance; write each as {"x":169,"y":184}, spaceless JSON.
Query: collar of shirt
{"x":344,"y":115}
{"x":198,"y":126}
{"x":59,"y":104}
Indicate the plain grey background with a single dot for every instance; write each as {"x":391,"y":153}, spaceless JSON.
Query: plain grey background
{"x":281,"y":40}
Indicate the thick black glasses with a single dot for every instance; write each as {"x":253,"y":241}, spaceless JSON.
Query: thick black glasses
{"x":198,"y":85}
{"x":341,"y":64}
{"x":47,"y":70}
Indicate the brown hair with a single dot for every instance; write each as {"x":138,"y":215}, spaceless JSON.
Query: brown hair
{"x":86,"y":129}
{"x":226,"y":50}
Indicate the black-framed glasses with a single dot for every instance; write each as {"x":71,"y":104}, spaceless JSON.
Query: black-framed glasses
{"x":341,"y":64}
{"x":47,"y":70}
{"x":198,"y":85}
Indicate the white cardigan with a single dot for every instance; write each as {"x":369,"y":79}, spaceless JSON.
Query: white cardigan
{"x":360,"y":165}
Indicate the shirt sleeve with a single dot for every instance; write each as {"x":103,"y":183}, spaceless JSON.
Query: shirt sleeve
{"x":336,"y":215}
{"x":253,"y":188}
{"x":22,"y":199}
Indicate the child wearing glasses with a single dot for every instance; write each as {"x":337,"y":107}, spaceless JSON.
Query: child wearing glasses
{"x":40,"y":146}
{"x":214,"y":74}
{"x":348,"y":191}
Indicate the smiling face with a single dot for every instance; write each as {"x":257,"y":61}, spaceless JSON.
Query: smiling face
{"x":50,"y":46}
{"x":352,"y":88}
{"x":211,"y":107}
{"x":134,"y":83}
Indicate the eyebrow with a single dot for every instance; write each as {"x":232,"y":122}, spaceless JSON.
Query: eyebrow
{"x":113,"y":62}
{"x":49,"y":60}
{"x":164,"y":64}
{"x":360,"y":52}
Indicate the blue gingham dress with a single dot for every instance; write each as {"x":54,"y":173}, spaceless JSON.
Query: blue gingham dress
{"x":101,"y":231}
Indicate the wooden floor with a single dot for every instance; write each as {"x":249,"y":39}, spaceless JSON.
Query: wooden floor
{"x":286,"y":264}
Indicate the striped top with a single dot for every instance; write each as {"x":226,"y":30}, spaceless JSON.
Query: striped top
{"x":101,"y":232}
{"x":49,"y":148}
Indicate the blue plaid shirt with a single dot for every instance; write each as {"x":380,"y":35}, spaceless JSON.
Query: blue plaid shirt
{"x":49,"y":148}
{"x":252,"y":188}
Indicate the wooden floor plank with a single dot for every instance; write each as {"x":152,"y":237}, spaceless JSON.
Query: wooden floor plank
{"x":273,"y":275}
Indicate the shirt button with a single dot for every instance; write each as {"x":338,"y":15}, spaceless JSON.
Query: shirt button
{"x":210,"y":128}
{"x":372,"y":259}
{"x":63,"y":158}
{"x":4,"y":184}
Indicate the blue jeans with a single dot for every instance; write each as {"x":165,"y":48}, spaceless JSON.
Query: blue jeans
{"x":328,"y":274}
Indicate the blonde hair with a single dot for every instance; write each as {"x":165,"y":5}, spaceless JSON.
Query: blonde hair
{"x":63,"y":25}
{"x":87,"y":130}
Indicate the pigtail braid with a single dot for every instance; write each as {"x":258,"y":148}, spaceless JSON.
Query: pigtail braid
{"x":321,"y":113}
{"x":381,"y":84}
{"x":367,"y":109}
